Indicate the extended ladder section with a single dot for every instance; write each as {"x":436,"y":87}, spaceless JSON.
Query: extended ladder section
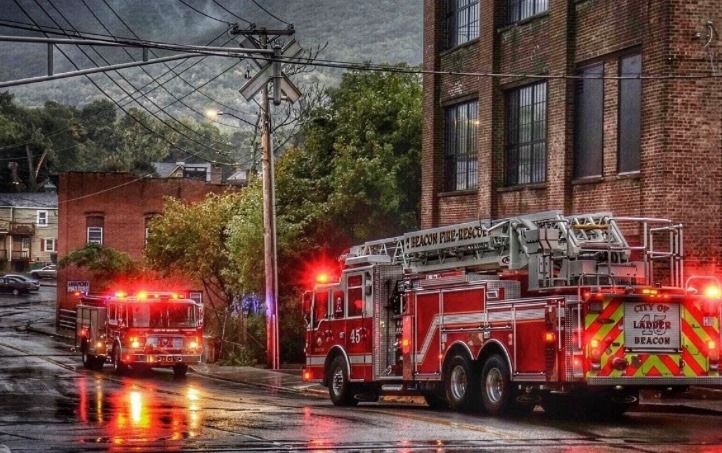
{"x":556,"y":250}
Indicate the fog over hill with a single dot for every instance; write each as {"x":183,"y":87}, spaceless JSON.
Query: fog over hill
{"x":382,"y":31}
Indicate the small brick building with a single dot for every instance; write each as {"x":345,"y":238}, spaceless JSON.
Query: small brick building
{"x":113,"y":209}
{"x":514,"y":143}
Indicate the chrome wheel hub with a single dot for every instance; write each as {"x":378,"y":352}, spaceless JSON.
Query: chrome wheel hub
{"x":494,"y":384}
{"x":337,"y":381}
{"x":459,"y":382}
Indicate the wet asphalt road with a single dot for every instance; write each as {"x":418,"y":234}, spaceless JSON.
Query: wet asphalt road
{"x":49,"y":402}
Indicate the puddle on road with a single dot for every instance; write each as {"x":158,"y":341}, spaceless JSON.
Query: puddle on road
{"x":131,"y":415}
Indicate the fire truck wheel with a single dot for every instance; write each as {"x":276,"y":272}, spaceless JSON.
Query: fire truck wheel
{"x":180,"y":370}
{"x":461,"y":383}
{"x":87,"y":360}
{"x":339,"y":388}
{"x":496,"y":389}
{"x":98,"y":363}
{"x":118,"y":366}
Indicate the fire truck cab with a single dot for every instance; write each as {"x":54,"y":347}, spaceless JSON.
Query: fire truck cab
{"x":145,"y":330}
{"x":502,"y":315}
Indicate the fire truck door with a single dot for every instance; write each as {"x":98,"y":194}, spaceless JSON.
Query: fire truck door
{"x":317,"y":334}
{"x":357,"y":332}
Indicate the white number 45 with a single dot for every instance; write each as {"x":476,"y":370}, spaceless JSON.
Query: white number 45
{"x":355,"y":335}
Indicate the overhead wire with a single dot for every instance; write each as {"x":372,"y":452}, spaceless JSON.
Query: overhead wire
{"x":112,"y":99}
{"x":132,"y":32}
{"x":204,"y":14}
{"x":232,"y":13}
{"x":168,"y":125}
{"x":269,"y":13}
{"x":154,"y":79}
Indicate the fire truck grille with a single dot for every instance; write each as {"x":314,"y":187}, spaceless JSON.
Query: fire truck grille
{"x":165,"y":343}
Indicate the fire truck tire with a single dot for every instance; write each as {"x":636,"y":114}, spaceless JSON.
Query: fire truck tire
{"x":340,"y":389}
{"x":87,"y":359}
{"x":461,"y":383}
{"x":118,"y":366}
{"x":496,"y":389}
{"x":98,"y":363}
{"x":180,"y":370}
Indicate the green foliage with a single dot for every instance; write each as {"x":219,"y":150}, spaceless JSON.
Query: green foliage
{"x":356,"y":176}
{"x":106,"y":264}
{"x":95,"y":138}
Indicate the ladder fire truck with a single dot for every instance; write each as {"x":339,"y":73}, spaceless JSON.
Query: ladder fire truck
{"x":145,"y":330}
{"x":543,"y":308}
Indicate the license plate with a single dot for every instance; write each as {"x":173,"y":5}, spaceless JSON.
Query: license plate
{"x":169,"y":358}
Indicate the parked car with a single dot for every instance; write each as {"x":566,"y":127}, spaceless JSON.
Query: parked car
{"x":49,"y":271}
{"x":34,"y":284}
{"x":10,"y":285}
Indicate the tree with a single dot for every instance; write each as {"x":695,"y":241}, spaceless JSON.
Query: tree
{"x":106,"y":263}
{"x":356,"y":175}
{"x":191,"y":240}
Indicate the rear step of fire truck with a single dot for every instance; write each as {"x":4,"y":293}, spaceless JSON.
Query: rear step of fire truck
{"x":571,"y":312}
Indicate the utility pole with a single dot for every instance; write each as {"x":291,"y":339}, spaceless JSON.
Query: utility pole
{"x":269,"y":72}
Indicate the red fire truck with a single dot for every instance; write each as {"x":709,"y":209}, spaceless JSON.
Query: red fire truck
{"x":544,"y":308}
{"x":145,"y":330}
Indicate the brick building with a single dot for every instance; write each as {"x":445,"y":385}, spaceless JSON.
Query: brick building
{"x":516,"y":143}
{"x":113,"y":209}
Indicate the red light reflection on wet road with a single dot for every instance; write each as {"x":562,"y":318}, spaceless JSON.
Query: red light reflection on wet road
{"x":136,"y":414}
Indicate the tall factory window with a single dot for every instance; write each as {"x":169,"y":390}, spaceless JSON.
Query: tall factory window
{"x":588,"y":129}
{"x":630,"y":112}
{"x":521,"y":9}
{"x":461,"y":19}
{"x":461,"y":136}
{"x":526,"y":134}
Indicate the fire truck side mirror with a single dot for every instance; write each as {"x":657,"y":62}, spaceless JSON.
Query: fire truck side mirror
{"x":306,"y":306}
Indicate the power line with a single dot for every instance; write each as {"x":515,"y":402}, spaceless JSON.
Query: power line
{"x":202,"y":114}
{"x":204,"y":14}
{"x":65,"y":32}
{"x":143,"y":69}
{"x":110,"y":97}
{"x":129,"y":83}
{"x":269,"y":13}
{"x":232,"y":13}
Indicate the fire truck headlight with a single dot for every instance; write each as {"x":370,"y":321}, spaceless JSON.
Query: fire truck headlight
{"x":99,"y":345}
{"x":134,"y":343}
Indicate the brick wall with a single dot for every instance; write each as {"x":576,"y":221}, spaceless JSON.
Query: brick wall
{"x":680,"y":174}
{"x":124,"y":201}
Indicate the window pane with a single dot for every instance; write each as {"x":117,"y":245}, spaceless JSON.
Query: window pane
{"x":462,"y":21}
{"x":461,"y":146}
{"x":630,"y":94}
{"x":589,"y":122}
{"x":526,"y":135}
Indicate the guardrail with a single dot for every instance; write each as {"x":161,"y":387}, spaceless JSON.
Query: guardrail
{"x":67,"y":319}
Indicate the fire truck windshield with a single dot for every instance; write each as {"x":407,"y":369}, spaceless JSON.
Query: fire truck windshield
{"x":161,"y":315}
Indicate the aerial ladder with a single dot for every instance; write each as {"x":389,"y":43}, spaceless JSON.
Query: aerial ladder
{"x":554,"y":249}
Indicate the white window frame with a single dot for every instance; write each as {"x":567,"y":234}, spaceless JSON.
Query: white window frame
{"x":51,"y":241}
{"x":45,"y":218}
{"x":95,"y":229}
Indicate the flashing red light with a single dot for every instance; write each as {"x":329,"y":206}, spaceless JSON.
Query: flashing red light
{"x":142,"y":295}
{"x":322,"y":277}
{"x":76,"y":294}
{"x":120,"y":294}
{"x":306,"y":375}
{"x":712,"y":292}
{"x":549,"y":337}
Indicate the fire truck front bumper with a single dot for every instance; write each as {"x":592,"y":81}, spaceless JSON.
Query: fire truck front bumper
{"x":162,"y":360}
